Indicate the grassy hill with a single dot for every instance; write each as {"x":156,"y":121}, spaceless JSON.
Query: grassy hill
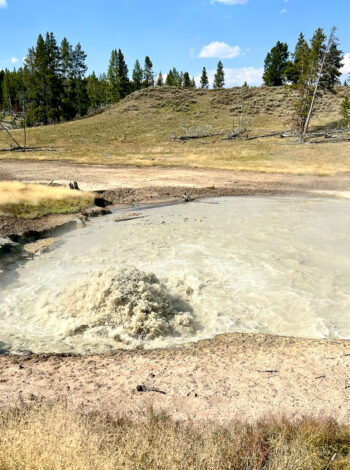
{"x":137,"y":131}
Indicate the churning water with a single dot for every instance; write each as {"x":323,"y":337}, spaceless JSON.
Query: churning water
{"x":278,"y":265}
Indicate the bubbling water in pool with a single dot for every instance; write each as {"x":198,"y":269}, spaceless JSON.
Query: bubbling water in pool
{"x":277,"y":265}
{"x":129,"y":306}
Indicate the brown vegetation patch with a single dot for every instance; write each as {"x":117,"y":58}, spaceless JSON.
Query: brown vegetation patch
{"x":51,"y":436}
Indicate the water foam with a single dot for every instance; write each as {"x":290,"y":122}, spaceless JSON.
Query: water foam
{"x":126,"y":304}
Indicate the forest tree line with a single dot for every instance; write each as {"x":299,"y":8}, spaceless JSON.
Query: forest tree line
{"x":53,"y":85}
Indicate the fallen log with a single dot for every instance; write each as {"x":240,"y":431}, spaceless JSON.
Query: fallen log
{"x":27,"y":149}
{"x":274,"y":134}
{"x":174,"y":138}
{"x":233,"y":135}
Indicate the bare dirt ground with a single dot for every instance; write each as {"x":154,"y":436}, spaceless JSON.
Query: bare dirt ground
{"x":109,"y":177}
{"x":232,"y":377}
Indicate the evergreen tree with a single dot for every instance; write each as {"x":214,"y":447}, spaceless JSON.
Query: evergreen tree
{"x":170,"y":79}
{"x":275,"y":65}
{"x":332,"y":69}
{"x":93,"y":90}
{"x":187,"y":82}
{"x":68,"y":96}
{"x":194,"y":83}
{"x":66,"y":60}
{"x":104,"y":88}
{"x":245,"y":85}
{"x":148,"y":75}
{"x":118,"y":76}
{"x":44,"y":82}
{"x":80,"y":83}
{"x":317,"y":49}
{"x":2,"y":76}
{"x":219,"y":78}
{"x":174,"y":78}
{"x":160,"y":80}
{"x":204,"y":79}
{"x":113,"y":77}
{"x":301,"y":61}
{"x":137,"y":76}
{"x":345,"y":110}
{"x":8,"y":91}
{"x":53,"y":79}
{"x":122,"y":78}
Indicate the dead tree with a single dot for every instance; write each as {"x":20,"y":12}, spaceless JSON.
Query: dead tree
{"x":319,"y":75}
{"x":18,"y":146}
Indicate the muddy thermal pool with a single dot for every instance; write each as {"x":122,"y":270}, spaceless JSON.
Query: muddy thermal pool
{"x":175,"y":274}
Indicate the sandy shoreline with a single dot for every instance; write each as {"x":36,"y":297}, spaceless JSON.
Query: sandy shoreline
{"x":239,"y":376}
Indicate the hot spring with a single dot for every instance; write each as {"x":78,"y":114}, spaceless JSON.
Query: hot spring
{"x":175,"y":274}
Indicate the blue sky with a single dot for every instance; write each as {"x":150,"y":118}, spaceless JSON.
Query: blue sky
{"x":186,"y":34}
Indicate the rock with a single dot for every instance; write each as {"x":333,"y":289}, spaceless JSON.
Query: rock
{"x":140,"y":388}
{"x":6,"y":244}
{"x":40,"y":246}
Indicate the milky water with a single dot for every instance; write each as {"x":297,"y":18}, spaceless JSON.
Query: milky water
{"x":278,"y":265}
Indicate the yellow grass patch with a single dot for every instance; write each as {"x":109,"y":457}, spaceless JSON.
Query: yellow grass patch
{"x":33,"y":200}
{"x":44,"y":436}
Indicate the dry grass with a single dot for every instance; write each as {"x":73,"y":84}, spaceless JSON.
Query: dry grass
{"x":137,"y":131}
{"x":33,"y":200}
{"x":43,"y":436}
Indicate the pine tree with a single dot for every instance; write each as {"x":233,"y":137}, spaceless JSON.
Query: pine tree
{"x":93,"y":91}
{"x":194,"y":83}
{"x":345,"y":110}
{"x":160,"y":80}
{"x":275,"y":65}
{"x":122,"y":76}
{"x":137,"y":76}
{"x":113,"y":77}
{"x":170,"y":79}
{"x":219,"y":78}
{"x":43,"y":81}
{"x":66,"y":60}
{"x":187,"y":83}
{"x":2,"y":76}
{"x":53,"y":79}
{"x":174,"y":78}
{"x":81,"y":101}
{"x":301,"y":61}
{"x":148,"y":75}
{"x":204,"y":79}
{"x":245,"y":85}
{"x":68,"y":96}
{"x":332,"y":70}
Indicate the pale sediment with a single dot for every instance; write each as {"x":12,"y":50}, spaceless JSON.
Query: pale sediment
{"x":229,"y":377}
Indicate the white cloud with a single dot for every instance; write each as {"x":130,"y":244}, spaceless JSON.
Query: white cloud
{"x":346,"y":64}
{"x":283,"y":11}
{"x":3,"y":3}
{"x":220,"y":50}
{"x":14,"y":60}
{"x":237,"y":76}
{"x":230,"y":2}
